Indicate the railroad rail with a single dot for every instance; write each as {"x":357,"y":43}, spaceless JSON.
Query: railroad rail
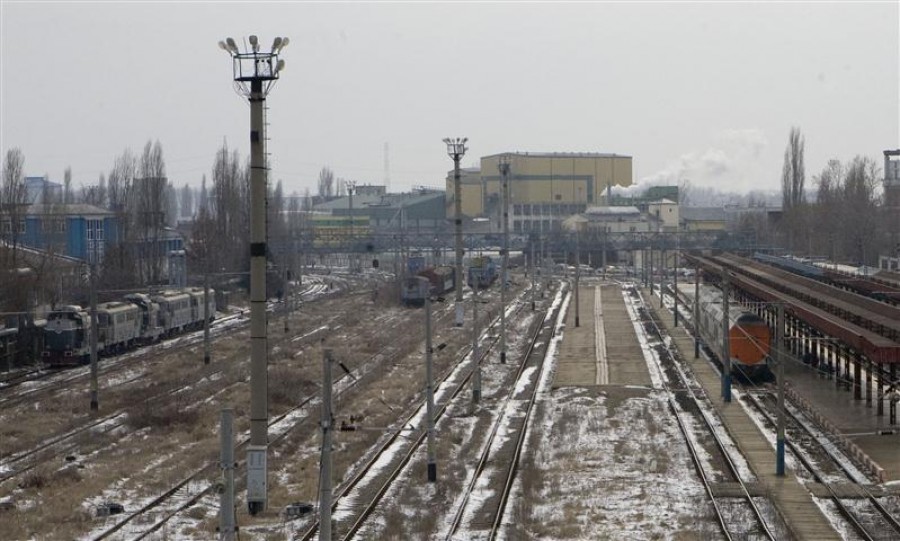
{"x":343,"y":384}
{"x":686,"y":391}
{"x":347,"y":529}
{"x":506,"y":459}
{"x":798,"y":425}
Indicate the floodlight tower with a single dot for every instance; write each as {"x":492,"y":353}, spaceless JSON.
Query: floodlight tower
{"x":456,"y":149}
{"x":255,"y":74}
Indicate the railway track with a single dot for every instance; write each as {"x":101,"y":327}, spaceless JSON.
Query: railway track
{"x":876,"y":525}
{"x":61,"y":379}
{"x":184,"y":494}
{"x":357,"y":499}
{"x":499,"y":464}
{"x":685,"y":398}
{"x":71,"y":442}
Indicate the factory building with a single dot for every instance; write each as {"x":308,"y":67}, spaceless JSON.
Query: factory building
{"x":544,"y":187}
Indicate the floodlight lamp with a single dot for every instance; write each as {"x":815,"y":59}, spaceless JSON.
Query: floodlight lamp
{"x":276,"y":45}
{"x":231,"y":44}
{"x":284,"y":42}
{"x":223,"y":46}
{"x":279,"y":67}
{"x":254,"y":42}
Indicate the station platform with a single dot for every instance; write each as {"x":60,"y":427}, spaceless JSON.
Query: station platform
{"x":847,"y":417}
{"x":793,"y":500}
{"x":602,"y":350}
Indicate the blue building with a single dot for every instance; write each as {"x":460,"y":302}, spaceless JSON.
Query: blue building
{"x":75,"y":230}
{"x":37,"y":189}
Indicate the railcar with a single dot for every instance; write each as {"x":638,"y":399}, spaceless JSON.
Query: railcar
{"x":151,"y":329}
{"x":749,"y":336}
{"x":174,"y":310}
{"x":482,"y":272}
{"x":118,"y":326}
{"x":440,"y":280}
{"x":66,"y":337}
{"x":197,"y":295}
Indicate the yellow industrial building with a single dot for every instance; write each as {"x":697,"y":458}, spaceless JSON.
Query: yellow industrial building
{"x":551,"y":185}
{"x":544,"y":187}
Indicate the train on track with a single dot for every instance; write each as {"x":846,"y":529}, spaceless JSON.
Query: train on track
{"x":482,"y":272}
{"x":137,"y":319}
{"x":749,"y":336}
{"x":441,"y":279}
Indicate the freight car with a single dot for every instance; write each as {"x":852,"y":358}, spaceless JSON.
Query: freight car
{"x":749,"y":336}
{"x":440,"y":280}
{"x":482,"y":272}
{"x":121,"y":325}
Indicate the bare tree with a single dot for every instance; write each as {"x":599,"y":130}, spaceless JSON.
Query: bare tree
{"x":793,"y":173}
{"x":187,"y":200}
{"x":326,"y":182}
{"x":203,"y":203}
{"x":67,"y":186}
{"x":13,"y":201}
{"x":171,"y":205}
{"x":150,"y":211}
{"x":793,"y":180}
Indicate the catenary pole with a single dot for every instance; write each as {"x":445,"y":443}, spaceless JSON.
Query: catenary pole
{"x":726,"y":342}
{"x":327,"y":434}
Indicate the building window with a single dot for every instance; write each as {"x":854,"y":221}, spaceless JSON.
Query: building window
{"x":557,"y":197}
{"x":7,"y":227}
{"x":517,"y":226}
{"x":517,"y":209}
{"x":21,"y":226}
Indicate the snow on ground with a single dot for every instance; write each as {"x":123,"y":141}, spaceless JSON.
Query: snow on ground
{"x":612,"y":465}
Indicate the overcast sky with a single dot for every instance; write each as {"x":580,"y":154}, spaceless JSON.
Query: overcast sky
{"x":702,"y":91}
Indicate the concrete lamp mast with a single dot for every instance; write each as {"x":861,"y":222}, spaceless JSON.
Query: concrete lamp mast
{"x":456,"y":149}
{"x":255,"y":73}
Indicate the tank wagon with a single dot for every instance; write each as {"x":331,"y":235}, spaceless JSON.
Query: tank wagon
{"x":749,"y":337}
{"x":121,"y":325}
{"x":482,"y":272}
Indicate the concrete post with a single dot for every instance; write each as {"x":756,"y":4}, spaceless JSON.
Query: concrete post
{"x":457,"y":191}
{"x":226,"y":498}
{"x":476,"y":378}
{"x":95,"y":386}
{"x":726,"y":342}
{"x":325,"y":469}
{"x":779,"y":360}
{"x":429,"y":392}
{"x":697,"y":313}
{"x":206,"y":355}
{"x":504,"y":170}
{"x":675,"y":290}
{"x":532,"y":274}
{"x":577,"y":276}
{"x":259,"y":414}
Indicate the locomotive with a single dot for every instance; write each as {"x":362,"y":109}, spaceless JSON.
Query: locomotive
{"x":482,"y":272}
{"x":749,"y":336}
{"x":136,"y":320}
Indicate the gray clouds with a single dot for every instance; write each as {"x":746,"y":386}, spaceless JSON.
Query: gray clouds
{"x":666,"y":84}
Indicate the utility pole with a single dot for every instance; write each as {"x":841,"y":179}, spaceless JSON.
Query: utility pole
{"x":226,"y":498}
{"x":429,"y":387}
{"x":456,"y":149}
{"x":697,"y":313}
{"x":95,"y":392}
{"x":325,"y":471}
{"x":255,"y":73}
{"x":726,"y":342}
{"x":543,"y":266}
{"x":577,"y":276}
{"x":532,"y":274}
{"x":504,"y":172}
{"x":779,"y":359}
{"x":351,"y":185}
{"x":287,"y":293}
{"x":206,"y":355}
{"x":675,"y":289}
{"x":476,"y":378}
{"x":650,"y":275}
